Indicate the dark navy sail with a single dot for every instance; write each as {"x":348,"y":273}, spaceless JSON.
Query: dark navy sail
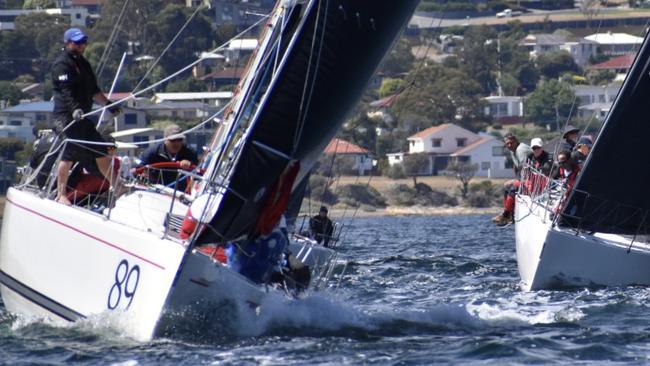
{"x":613,"y":191}
{"x":333,"y":54}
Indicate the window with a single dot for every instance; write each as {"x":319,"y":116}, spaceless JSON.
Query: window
{"x":15,"y":123}
{"x":40,"y":117}
{"x":460,"y":142}
{"x":398,"y":158}
{"x":130,"y":119}
{"x":499,"y":109}
{"x":436,"y":142}
{"x":2,"y":123}
{"x":485,"y":165}
{"x":137,"y":139}
{"x":498,"y":150}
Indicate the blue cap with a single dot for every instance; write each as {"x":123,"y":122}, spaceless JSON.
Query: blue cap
{"x":74,"y":35}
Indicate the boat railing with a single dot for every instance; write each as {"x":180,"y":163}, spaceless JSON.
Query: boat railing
{"x":542,"y":190}
{"x":589,"y":213}
{"x":304,"y":230}
{"x":42,"y":180}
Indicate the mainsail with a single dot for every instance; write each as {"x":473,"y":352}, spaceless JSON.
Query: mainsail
{"x":612,"y":192}
{"x":325,"y":61}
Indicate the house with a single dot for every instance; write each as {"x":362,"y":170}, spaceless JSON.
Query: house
{"x":217,"y":99}
{"x":380,"y":108}
{"x":19,"y":121}
{"x":239,"y":49}
{"x":596,"y":110}
{"x":77,"y":16}
{"x":178,"y":110}
{"x":240,"y":13}
{"x":505,"y":109}
{"x":362,"y":161}
{"x":223,"y":78}
{"x":589,"y":94}
{"x":489,"y":156}
{"x":616,"y":44}
{"x":448,"y":142}
{"x":580,"y":49}
{"x":620,"y":64}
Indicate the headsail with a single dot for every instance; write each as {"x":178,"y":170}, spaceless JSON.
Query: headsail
{"x":332,"y":55}
{"x":612,"y":193}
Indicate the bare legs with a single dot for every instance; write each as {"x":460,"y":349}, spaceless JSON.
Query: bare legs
{"x":103,"y":164}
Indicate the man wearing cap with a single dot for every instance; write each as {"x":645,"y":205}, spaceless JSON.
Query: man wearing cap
{"x":74,"y":90}
{"x":321,"y":227}
{"x":170,"y":150}
{"x":570,"y":136}
{"x":539,"y":158}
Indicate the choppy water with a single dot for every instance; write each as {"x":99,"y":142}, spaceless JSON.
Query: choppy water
{"x":417,"y":290}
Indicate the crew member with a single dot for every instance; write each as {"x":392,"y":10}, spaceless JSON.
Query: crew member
{"x":321,"y":227}
{"x":170,"y":150}
{"x":75,"y":88}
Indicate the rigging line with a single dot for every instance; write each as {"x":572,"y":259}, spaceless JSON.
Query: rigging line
{"x":304,"y":107}
{"x":110,"y":92}
{"x":187,"y":22}
{"x":109,"y":43}
{"x":166,"y":79}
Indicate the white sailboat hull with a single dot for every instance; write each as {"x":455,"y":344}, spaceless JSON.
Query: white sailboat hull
{"x":550,"y":257}
{"x":67,"y":263}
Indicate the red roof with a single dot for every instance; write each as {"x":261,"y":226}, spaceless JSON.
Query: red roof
{"x":620,"y":62}
{"x":385,"y":102}
{"x":430,"y":130}
{"x":119,"y":95}
{"x":471,"y":146}
{"x":338,"y":146}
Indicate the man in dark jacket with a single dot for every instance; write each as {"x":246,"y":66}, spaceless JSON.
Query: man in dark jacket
{"x":170,"y":150}
{"x":539,"y":158}
{"x":75,"y":88}
{"x":321,"y":227}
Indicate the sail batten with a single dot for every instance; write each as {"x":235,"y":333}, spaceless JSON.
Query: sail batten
{"x":611,"y":194}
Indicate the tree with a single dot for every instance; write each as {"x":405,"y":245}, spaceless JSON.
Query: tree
{"x":436,"y":93}
{"x":478,"y":57}
{"x":390,"y":86}
{"x":10,"y":93}
{"x":550,"y":104}
{"x":39,"y":4}
{"x":416,"y":164}
{"x":554,"y":64}
{"x":464,"y":172}
{"x":399,"y":60}
{"x":9,"y":146}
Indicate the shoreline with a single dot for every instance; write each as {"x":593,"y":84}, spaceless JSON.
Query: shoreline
{"x":415,"y":211}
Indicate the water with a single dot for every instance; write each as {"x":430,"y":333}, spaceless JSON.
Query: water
{"x":417,"y":290}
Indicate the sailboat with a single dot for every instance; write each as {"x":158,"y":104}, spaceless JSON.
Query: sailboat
{"x":68,"y":263}
{"x":597,"y":234}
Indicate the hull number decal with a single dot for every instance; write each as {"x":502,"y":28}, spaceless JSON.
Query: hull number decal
{"x":126,"y":283}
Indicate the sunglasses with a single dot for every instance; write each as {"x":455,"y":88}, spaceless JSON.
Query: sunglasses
{"x":80,"y":42}
{"x":176,"y":140}
{"x":536,"y":147}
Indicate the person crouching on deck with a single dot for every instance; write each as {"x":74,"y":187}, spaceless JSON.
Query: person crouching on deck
{"x":519,"y":153}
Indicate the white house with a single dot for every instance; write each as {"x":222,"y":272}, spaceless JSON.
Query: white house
{"x":489,"y":156}
{"x":77,"y":16}
{"x":19,"y":120}
{"x":615,"y":44}
{"x":580,"y":49}
{"x":589,"y":94}
{"x":216,"y":99}
{"x":597,"y":110}
{"x":362,"y":160}
{"x":505,"y":109}
{"x":448,"y":142}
